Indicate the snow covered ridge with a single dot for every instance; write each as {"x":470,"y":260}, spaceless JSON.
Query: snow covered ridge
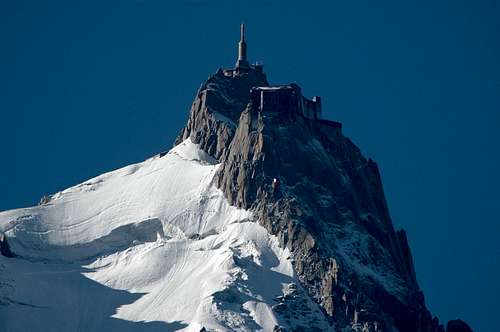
{"x":153,"y":246}
{"x":172,"y":196}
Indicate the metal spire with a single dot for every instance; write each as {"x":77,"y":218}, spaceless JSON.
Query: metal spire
{"x":242,"y":32}
{"x":242,"y":64}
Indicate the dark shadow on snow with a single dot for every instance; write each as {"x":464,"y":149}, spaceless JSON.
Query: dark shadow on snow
{"x":67,"y":301}
{"x":118,"y":239}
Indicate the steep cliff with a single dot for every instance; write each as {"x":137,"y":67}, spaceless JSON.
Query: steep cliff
{"x":310,"y":186}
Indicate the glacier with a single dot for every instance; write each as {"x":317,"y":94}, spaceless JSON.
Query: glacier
{"x":153,"y":246}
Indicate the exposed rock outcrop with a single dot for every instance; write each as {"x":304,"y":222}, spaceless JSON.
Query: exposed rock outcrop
{"x":310,"y":186}
{"x":216,"y":110}
{"x":4,"y":247}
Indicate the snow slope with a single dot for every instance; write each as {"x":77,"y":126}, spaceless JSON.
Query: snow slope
{"x":152,"y":247}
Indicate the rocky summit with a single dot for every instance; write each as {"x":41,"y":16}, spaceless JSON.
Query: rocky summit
{"x":310,"y":186}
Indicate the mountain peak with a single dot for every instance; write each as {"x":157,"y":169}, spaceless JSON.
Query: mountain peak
{"x":263,"y":216}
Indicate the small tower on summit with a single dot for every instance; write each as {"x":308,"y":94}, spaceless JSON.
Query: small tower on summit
{"x":242,"y":65}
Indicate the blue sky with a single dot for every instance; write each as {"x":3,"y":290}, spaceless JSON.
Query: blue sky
{"x":90,"y":86}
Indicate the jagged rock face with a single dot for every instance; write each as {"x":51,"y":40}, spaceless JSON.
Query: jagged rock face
{"x":311,"y":187}
{"x":216,"y":109}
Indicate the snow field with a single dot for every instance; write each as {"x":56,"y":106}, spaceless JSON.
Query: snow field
{"x":152,"y":247}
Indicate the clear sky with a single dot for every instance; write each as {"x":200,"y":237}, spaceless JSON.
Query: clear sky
{"x":90,"y":86}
